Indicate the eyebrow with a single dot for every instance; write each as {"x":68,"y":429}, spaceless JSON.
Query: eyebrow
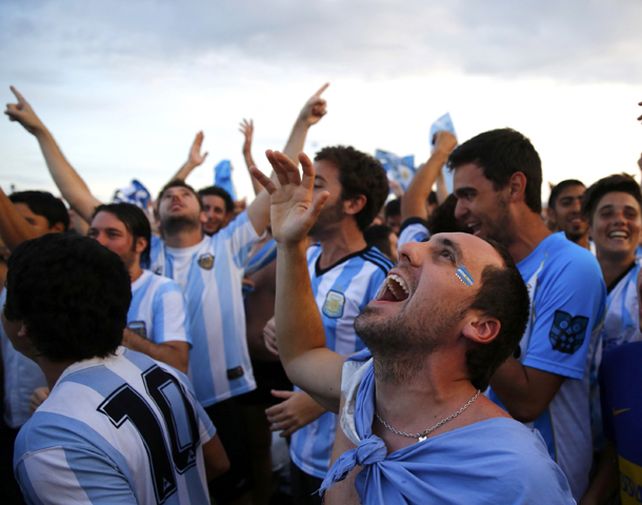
{"x":446,"y":242}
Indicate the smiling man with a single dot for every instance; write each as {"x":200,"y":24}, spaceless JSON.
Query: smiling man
{"x":498,"y":177}
{"x":565,"y":211}
{"x":612,"y":206}
{"x":437,"y":330}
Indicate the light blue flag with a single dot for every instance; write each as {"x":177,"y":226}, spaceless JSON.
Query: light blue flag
{"x":443,"y":123}
{"x":400,"y":169}
{"x":223,"y":177}
{"x":135,"y":193}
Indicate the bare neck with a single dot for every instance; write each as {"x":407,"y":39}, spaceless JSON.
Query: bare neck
{"x":345,"y":240}
{"x":527,"y":231}
{"x":184,"y":237}
{"x":52,"y":369}
{"x":613,"y":266}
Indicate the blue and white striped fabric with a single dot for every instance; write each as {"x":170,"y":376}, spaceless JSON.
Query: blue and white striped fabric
{"x":621,"y":323}
{"x":219,"y":360}
{"x":261,"y":258}
{"x":21,"y":377}
{"x":413,"y":229}
{"x":122,"y":429}
{"x":157,"y":309}
{"x":341,"y":293}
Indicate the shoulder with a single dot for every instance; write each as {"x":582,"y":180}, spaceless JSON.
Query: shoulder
{"x":563,"y":255}
{"x":377,"y":258}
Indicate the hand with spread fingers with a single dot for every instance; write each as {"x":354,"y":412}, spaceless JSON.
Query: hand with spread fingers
{"x":294,"y":206}
{"x":24,"y":114}
{"x":195,"y":157}
{"x":246,"y":127}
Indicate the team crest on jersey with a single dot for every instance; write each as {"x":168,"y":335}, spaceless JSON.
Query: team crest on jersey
{"x":333,"y":305}
{"x":568,"y":332}
{"x":206,"y":261}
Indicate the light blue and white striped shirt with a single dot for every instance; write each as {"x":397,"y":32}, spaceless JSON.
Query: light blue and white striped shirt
{"x":122,"y":429}
{"x":341,"y":292}
{"x":157,"y":309}
{"x":219,"y":360}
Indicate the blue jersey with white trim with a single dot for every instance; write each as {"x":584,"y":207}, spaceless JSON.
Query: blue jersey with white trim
{"x":157,"y":309}
{"x":133,"y":433}
{"x":341,"y":293}
{"x":219,"y":360}
{"x":567,"y":296}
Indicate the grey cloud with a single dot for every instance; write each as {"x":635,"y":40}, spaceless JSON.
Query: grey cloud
{"x":574,"y":40}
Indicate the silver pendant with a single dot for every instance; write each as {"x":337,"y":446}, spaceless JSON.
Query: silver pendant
{"x":422,"y":438}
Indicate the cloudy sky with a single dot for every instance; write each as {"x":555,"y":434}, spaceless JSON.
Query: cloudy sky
{"x":125,"y":84}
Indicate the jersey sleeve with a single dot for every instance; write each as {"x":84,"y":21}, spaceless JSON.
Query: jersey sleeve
{"x":60,"y":476}
{"x":241,"y":236}
{"x":413,"y":229}
{"x":567,"y":309}
{"x":169,"y":323}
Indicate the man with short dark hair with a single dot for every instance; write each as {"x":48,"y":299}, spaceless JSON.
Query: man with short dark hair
{"x":346,"y":274}
{"x":497,"y":180}
{"x":565,"y":211}
{"x":117,"y":426}
{"x":218,"y":207}
{"x":414,"y":427}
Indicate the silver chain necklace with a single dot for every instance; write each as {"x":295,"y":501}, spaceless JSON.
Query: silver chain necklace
{"x":422,"y":435}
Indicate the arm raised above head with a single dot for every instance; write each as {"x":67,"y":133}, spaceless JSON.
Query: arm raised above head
{"x":72,"y":187}
{"x":300,"y":335}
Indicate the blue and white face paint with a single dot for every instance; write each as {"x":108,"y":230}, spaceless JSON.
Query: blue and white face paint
{"x":464,"y":275}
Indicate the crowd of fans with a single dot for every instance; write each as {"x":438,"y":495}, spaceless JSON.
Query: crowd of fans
{"x":330,"y":340}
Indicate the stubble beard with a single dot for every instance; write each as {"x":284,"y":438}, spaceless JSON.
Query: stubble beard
{"x":399,"y":345}
{"x":177,"y":224}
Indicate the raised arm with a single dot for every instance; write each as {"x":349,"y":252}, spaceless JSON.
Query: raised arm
{"x":14,"y":228}
{"x":194,"y":158}
{"x":311,"y":113}
{"x":246,"y":127}
{"x":413,"y":203}
{"x":72,"y":187}
{"x":300,"y":335}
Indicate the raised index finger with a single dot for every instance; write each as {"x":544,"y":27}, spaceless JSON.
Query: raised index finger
{"x":322,"y":89}
{"x":18,"y":95}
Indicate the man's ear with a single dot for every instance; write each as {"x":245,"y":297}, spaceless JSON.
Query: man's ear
{"x":517,"y":186}
{"x":202,"y":217}
{"x":57,"y":228}
{"x":140,"y":245}
{"x":481,"y":329}
{"x":354,"y":205}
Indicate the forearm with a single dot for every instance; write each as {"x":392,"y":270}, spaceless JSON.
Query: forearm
{"x":249,"y":162}
{"x":182,"y":173}
{"x":298,"y":323}
{"x":413,"y":203}
{"x":72,"y":187}
{"x":526,"y":392}
{"x":14,"y":229}
{"x":296,"y":140}
{"x":175,"y":354}
{"x":605,"y":482}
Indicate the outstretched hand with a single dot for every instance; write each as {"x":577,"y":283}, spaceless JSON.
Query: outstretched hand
{"x":246,"y":127}
{"x":23,"y":113}
{"x":445,"y":142}
{"x":640,"y":117}
{"x":195,"y":157}
{"x":294,"y":206}
{"x":315,"y":108}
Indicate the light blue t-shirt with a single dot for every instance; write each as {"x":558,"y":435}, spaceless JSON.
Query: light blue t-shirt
{"x":341,"y":293}
{"x":219,"y":360}
{"x":122,"y":429}
{"x":567,"y":296}
{"x":495,"y":461}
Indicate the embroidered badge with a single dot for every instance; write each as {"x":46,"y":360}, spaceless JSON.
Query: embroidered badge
{"x":206,"y":261}
{"x":568,"y":332}
{"x":333,"y":305}
{"x":138,"y":327}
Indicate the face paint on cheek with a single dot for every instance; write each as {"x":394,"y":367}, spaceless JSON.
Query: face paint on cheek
{"x":464,"y":276}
